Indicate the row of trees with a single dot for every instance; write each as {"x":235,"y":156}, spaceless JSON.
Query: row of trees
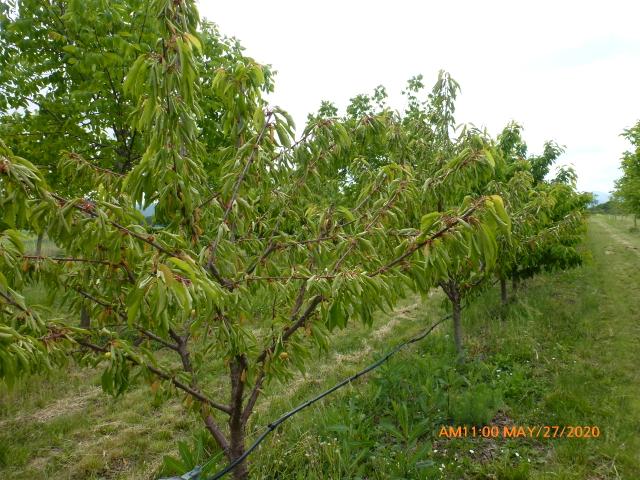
{"x":626,"y":194}
{"x":267,"y":243}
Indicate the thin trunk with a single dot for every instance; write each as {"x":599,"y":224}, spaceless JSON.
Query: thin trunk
{"x":85,"y":320}
{"x":514,"y":284}
{"x":451,"y":289}
{"x":503,"y":291}
{"x":457,"y":326}
{"x":39,"y":244}
{"x":241,"y":472}
{"x":230,"y":448}
{"x":236,"y":421}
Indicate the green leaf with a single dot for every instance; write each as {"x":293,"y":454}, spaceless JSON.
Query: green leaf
{"x":428,"y":220}
{"x":500,"y":210}
{"x":346,"y":213}
{"x":133,"y":306}
{"x":258,"y":118}
{"x":183,"y":266}
{"x":167,"y":275}
{"x":283,"y":135}
{"x":195,"y":41}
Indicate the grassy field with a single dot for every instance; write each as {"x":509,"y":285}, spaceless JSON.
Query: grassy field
{"x":564,"y":353}
{"x":48,"y":248}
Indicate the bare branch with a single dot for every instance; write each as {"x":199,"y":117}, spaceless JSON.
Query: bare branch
{"x":70,"y":259}
{"x":215,"y":431}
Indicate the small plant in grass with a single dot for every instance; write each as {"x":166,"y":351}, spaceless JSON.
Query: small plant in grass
{"x":475,"y":406}
{"x":200,"y":452}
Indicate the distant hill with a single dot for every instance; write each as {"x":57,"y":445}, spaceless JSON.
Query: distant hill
{"x":601,"y":197}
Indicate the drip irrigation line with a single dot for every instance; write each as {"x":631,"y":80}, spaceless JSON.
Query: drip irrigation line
{"x":194,"y":474}
{"x":273,"y":425}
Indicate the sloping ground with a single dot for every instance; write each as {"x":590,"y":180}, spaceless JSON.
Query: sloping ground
{"x":566,"y":354}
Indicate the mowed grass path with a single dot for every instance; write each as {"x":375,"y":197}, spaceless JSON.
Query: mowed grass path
{"x":597,"y":378}
{"x":566,"y":353}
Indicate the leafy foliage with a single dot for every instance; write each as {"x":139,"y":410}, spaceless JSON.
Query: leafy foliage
{"x":266,"y":243}
{"x":627,"y":188}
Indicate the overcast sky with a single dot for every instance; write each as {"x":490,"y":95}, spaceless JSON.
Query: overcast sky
{"x":565,"y":70}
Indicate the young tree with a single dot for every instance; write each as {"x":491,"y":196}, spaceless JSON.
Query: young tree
{"x":548,"y":225}
{"x":454,"y":170}
{"x":449,"y":169}
{"x":627,"y":187}
{"x":547,"y":215}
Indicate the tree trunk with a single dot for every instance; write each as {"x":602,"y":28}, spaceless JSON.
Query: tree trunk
{"x":457,"y":326}
{"x":514,"y":284}
{"x":451,"y":289}
{"x":503,"y":291}
{"x":39,"y":244}
{"x":85,"y":320}
{"x":241,"y":472}
{"x":236,"y":421}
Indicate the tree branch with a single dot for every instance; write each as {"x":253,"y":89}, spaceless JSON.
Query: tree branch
{"x":234,"y":195}
{"x":12,"y":302}
{"x":255,"y":391}
{"x":143,"y":238}
{"x":177,"y":383}
{"x":411,"y":250}
{"x":70,"y":259}
{"x":215,"y":431}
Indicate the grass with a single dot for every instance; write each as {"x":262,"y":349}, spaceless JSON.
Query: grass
{"x":565,"y":354}
{"x":625,"y":222}
{"x":48,"y":248}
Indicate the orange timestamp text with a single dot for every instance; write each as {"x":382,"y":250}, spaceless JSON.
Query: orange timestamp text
{"x":520,"y":431}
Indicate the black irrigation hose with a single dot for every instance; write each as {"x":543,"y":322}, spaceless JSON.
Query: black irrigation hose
{"x":273,"y":425}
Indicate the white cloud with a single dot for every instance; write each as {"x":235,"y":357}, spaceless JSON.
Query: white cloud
{"x":565,"y":70}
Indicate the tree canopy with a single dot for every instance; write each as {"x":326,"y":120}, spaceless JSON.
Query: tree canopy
{"x":627,"y":187}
